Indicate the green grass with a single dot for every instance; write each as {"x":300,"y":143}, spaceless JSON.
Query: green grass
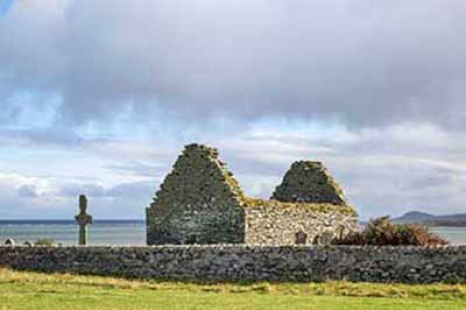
{"x":24,"y":290}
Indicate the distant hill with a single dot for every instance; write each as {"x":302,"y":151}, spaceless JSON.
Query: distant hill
{"x":453,"y":220}
{"x":414,"y":217}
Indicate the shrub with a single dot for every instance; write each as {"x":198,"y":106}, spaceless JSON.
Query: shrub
{"x":383,"y":232}
{"x":354,"y":238}
{"x":46,"y":242}
{"x":415,"y":234}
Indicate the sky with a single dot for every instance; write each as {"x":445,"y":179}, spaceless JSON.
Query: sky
{"x":5,"y":6}
{"x":99,"y":97}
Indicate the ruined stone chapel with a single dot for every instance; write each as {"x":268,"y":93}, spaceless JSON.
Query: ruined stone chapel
{"x":200,"y":202}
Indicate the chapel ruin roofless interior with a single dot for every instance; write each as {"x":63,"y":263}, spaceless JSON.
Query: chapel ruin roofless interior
{"x":200,"y":202}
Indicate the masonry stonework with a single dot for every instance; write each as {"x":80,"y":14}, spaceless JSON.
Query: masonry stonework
{"x":286,"y":224}
{"x":200,"y":202}
{"x":248,"y":263}
{"x":309,"y":181}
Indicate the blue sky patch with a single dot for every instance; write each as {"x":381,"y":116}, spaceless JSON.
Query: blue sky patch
{"x":5,"y":6}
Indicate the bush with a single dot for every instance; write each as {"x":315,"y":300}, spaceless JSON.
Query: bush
{"x":45,"y":242}
{"x":383,"y":232}
{"x":415,"y":234}
{"x":354,"y":238}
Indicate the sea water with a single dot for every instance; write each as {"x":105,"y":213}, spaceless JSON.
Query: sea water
{"x":455,"y":235}
{"x":125,"y":232}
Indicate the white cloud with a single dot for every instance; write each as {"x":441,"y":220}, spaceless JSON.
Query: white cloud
{"x":384,"y":170}
{"x":15,"y":182}
{"x":101,"y":96}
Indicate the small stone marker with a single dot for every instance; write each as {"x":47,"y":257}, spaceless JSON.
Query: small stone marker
{"x":28,"y":244}
{"x":83,"y":219}
{"x":10,"y":242}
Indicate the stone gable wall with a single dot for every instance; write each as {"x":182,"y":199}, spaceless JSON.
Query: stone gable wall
{"x":310,"y":182}
{"x":287,"y":224}
{"x":199,"y":202}
{"x":248,"y":263}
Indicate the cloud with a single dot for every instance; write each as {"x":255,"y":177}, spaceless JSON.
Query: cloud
{"x":381,"y":169}
{"x":24,"y":197}
{"x":16,"y":183}
{"x":28,"y":191}
{"x":389,"y":170}
{"x":20,"y":194}
{"x":143,"y":190}
{"x":354,"y":61}
{"x":74,"y":190}
{"x":138,"y":168}
{"x":101,"y":96}
{"x":45,"y":137}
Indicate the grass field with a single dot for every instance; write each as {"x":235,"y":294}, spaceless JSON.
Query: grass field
{"x":21,"y":290}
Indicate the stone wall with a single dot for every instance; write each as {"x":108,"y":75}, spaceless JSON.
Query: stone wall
{"x":276,"y":223}
{"x":198,"y":202}
{"x":253,"y":263}
{"x":308,"y":181}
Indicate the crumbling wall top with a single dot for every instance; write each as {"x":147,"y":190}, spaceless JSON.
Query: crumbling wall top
{"x":198,"y":177}
{"x":309,"y":182}
{"x":256,"y":203}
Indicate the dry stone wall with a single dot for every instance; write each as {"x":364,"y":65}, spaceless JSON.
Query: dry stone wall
{"x":199,"y":202}
{"x":272,"y":222}
{"x":308,"y":181}
{"x":248,"y":263}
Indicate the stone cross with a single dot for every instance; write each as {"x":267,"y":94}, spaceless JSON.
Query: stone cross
{"x":83,"y":219}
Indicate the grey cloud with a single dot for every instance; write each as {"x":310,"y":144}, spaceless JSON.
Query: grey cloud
{"x":43,"y":137}
{"x":129,"y":190}
{"x":27,"y":191}
{"x":74,"y":190}
{"x":138,"y":168}
{"x":122,"y":201}
{"x":389,"y":178}
{"x":388,"y":171}
{"x":125,"y":200}
{"x":356,"y":61}
{"x":143,"y":190}
{"x":164,"y":63}
{"x":433,"y":180}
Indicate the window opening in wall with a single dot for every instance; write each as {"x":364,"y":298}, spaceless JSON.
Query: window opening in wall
{"x":301,"y":237}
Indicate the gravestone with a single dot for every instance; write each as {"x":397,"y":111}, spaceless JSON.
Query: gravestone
{"x":301,"y":237}
{"x":10,"y":242}
{"x":84,"y":220}
{"x":28,"y":244}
